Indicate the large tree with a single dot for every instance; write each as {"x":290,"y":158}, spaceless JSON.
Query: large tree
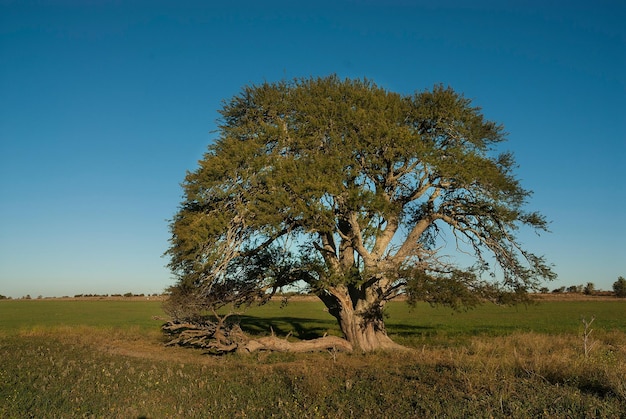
{"x":353,"y":190}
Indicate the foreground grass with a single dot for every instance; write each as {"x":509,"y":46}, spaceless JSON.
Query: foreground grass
{"x":472,"y":368}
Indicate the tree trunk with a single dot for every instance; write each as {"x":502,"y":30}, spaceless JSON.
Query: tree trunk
{"x":364,"y":333}
{"x":361,"y":321}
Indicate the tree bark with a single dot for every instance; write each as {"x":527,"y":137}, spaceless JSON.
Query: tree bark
{"x":361,"y":320}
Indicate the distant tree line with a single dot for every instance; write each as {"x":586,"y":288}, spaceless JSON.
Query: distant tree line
{"x":619,"y":289}
{"x":40,"y":297}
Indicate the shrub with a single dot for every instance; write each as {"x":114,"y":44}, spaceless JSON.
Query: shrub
{"x":590,"y":288}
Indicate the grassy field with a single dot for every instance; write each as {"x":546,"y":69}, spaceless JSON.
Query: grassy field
{"x":106,"y":358}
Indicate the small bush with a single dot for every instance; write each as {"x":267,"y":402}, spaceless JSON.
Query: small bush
{"x":589,"y":289}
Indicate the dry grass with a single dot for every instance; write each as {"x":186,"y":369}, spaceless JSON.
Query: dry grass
{"x":109,"y":370}
{"x":519,"y":375}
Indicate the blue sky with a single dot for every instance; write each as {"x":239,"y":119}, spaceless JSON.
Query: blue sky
{"x":106,"y":104}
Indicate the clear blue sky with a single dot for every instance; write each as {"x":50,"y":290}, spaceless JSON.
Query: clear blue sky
{"x":105,"y":105}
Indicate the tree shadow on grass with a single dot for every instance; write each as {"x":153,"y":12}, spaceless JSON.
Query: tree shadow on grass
{"x":451,"y":332}
{"x":308,"y":328}
{"x":301,"y":328}
{"x":406,"y":330}
{"x":304,"y":328}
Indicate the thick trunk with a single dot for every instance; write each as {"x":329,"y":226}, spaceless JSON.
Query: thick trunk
{"x":365,"y":333}
{"x":361,"y":322}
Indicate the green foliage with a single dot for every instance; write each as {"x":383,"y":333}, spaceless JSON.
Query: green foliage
{"x":619,"y":287}
{"x":454,"y":290}
{"x":349,"y":188}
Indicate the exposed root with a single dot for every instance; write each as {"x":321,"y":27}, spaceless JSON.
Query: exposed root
{"x":217,"y":338}
{"x":272,"y":343}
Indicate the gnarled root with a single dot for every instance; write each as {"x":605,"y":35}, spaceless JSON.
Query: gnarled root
{"x":217,"y":338}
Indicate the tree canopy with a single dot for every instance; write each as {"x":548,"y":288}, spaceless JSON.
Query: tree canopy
{"x":349,"y":188}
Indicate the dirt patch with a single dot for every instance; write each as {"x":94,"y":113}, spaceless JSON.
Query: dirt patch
{"x":145,"y":349}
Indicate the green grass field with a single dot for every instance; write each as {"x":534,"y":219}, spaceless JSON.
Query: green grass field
{"x":102,"y":358}
{"x":18,"y":315}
